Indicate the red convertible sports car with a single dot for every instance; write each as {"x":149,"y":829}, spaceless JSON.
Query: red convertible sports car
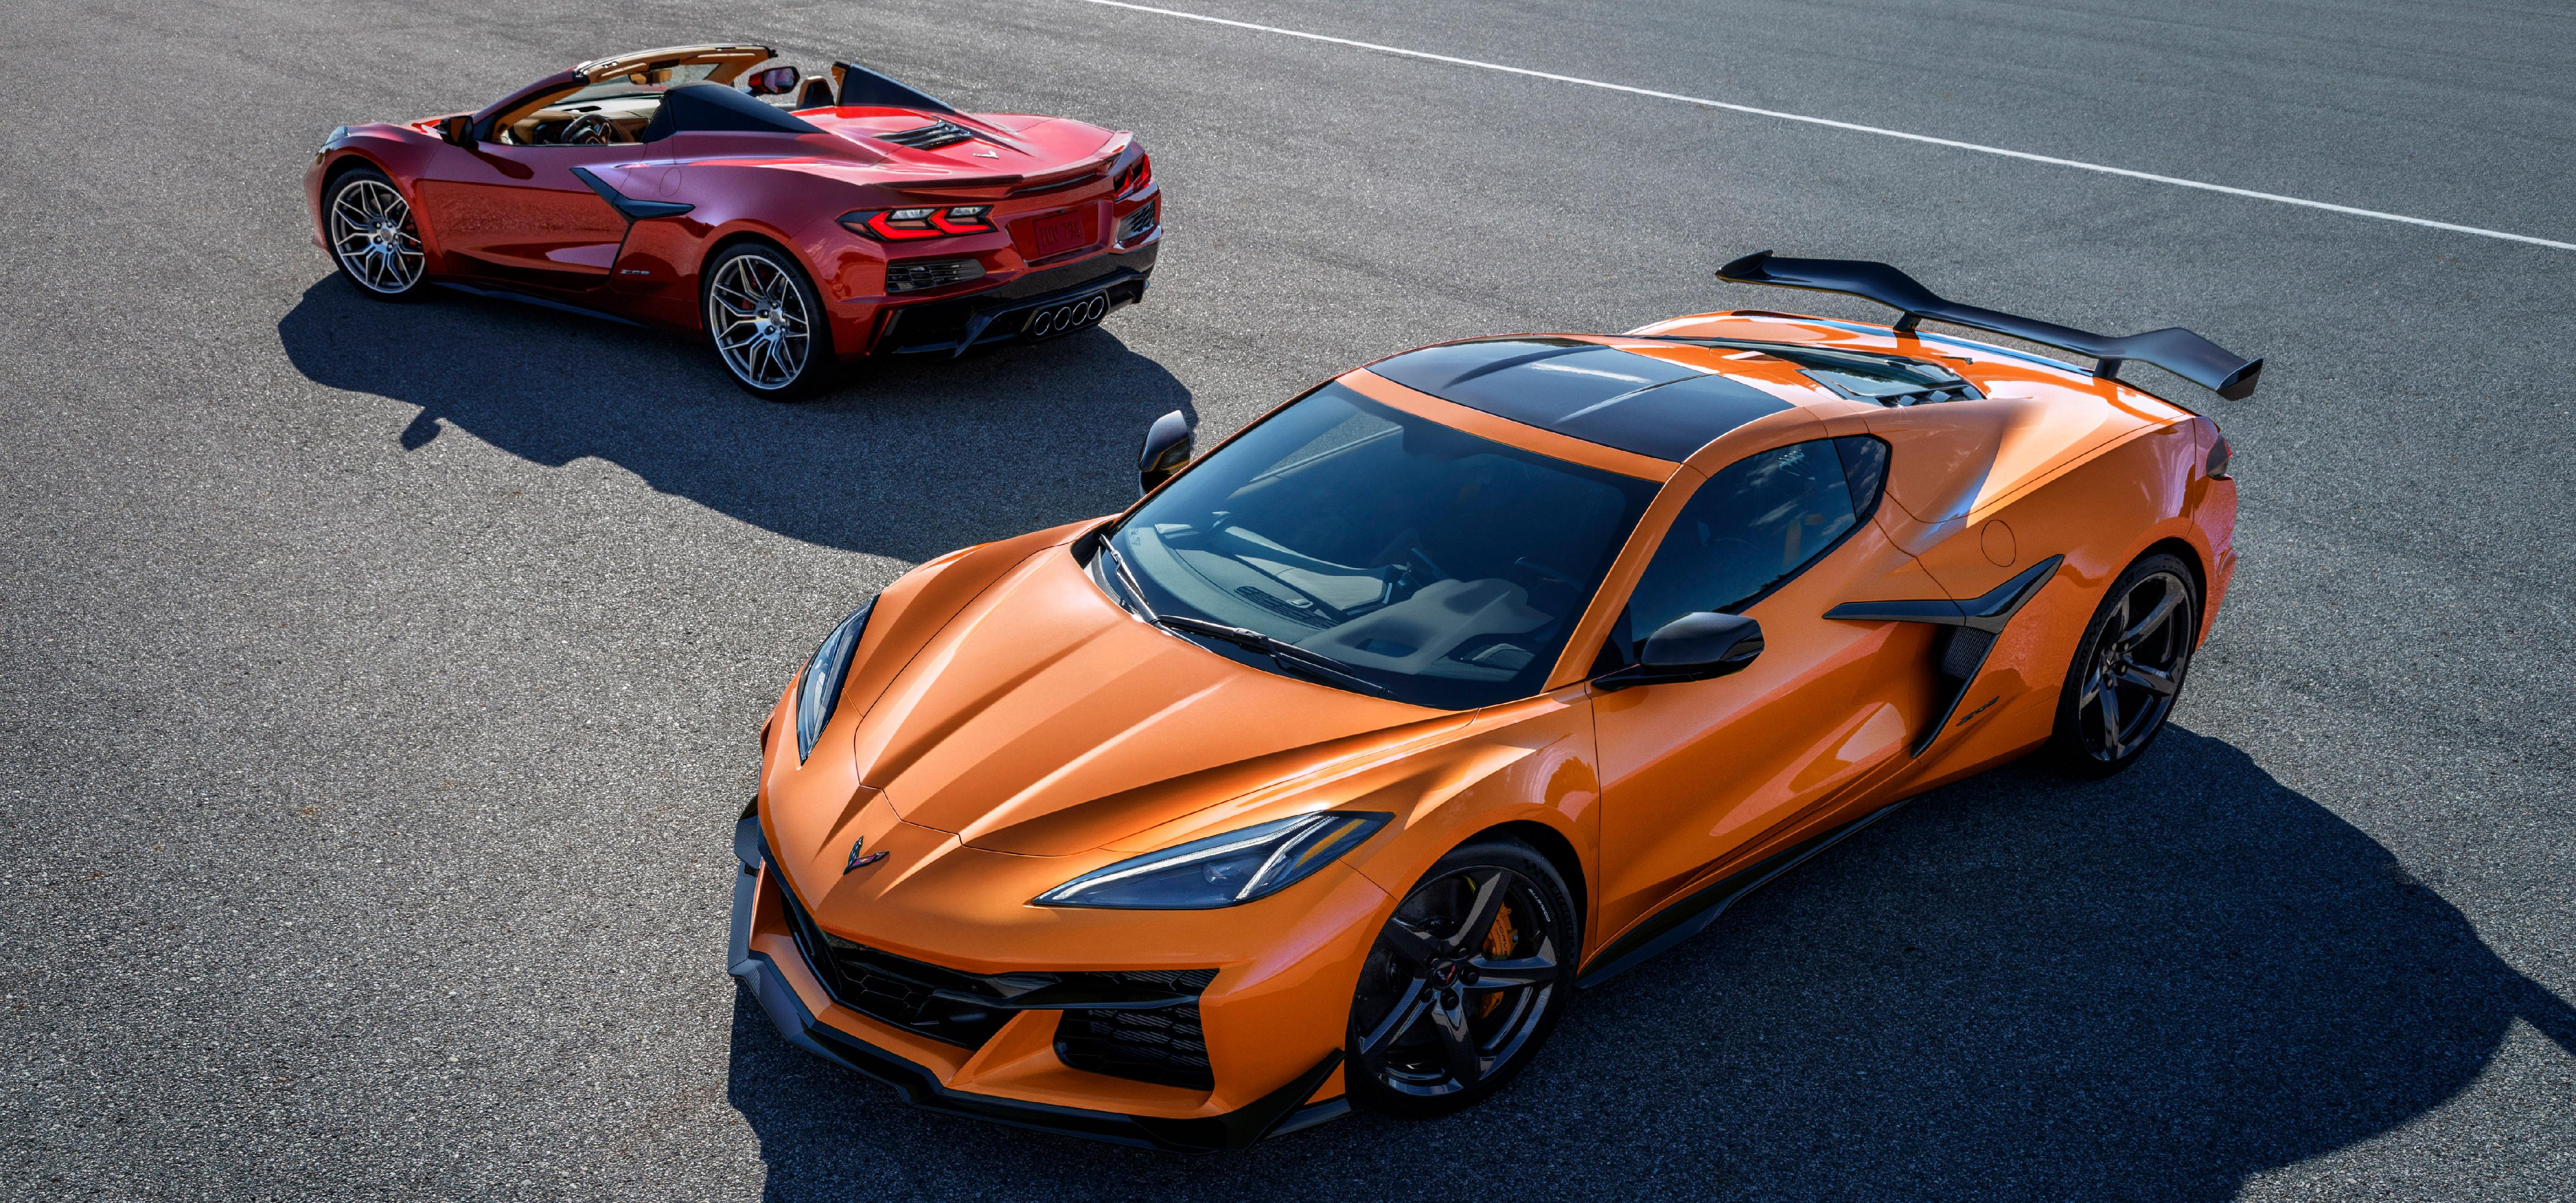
{"x":667,"y":187}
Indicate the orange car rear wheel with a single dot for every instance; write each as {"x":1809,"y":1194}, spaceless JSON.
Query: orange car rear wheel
{"x":1467,"y":978}
{"x":2129,"y":669}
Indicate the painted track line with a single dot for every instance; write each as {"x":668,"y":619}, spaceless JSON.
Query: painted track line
{"x":1829,"y":123}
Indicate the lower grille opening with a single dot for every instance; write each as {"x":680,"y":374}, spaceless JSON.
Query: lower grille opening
{"x":1164,"y":1046}
{"x":897,"y":990}
{"x":931,"y":273}
{"x":1140,"y":223}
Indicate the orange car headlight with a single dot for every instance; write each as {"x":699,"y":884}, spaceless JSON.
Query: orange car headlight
{"x":818,"y":688}
{"x":1224,"y":870}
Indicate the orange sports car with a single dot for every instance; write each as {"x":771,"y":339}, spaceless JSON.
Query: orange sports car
{"x":1326,"y":773}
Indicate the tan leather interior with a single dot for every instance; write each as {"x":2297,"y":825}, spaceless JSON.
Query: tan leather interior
{"x":521,"y":125}
{"x":730,"y":62}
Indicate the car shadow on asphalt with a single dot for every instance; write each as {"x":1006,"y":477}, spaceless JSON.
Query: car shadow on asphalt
{"x":905,"y":459}
{"x":2020,"y":987}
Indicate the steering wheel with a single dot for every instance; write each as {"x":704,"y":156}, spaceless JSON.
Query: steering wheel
{"x":589,"y":129}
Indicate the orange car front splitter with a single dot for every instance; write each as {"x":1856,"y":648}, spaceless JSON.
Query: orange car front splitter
{"x":1273,"y":1114}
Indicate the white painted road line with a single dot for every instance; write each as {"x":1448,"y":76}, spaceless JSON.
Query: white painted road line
{"x":1829,"y":123}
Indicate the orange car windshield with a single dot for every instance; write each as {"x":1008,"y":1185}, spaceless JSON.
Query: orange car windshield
{"x":1438,"y":567}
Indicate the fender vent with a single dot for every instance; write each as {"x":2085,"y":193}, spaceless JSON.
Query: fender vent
{"x":932,"y":136}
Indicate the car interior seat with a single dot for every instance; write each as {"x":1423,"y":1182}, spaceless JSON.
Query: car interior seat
{"x":816,"y":94}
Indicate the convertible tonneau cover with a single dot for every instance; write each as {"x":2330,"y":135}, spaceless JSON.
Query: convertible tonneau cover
{"x":2175,"y":349}
{"x":860,"y":87}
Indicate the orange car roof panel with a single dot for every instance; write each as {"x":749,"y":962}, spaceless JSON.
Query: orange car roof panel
{"x":1661,"y":405}
{"x":1504,"y":430}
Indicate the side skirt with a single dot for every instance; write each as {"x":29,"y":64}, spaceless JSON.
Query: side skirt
{"x":503,"y":294}
{"x":1692,"y":915}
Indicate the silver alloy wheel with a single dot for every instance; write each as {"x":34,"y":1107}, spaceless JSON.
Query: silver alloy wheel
{"x":2138,"y":661}
{"x":759,"y":321}
{"x":373,"y":236}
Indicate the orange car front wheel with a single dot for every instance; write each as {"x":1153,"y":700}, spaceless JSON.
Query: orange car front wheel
{"x":1466,"y":980}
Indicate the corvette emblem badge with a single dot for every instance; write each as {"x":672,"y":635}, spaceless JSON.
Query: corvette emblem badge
{"x":858,"y":861}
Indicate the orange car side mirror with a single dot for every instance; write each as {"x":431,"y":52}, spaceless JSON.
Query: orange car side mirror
{"x":1167,"y":450}
{"x":1693,"y":647}
{"x":457,"y":130}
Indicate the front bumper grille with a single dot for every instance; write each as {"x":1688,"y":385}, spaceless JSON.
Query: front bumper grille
{"x":900,"y":991}
{"x":1138,"y":1024}
{"x":1164,"y":1046}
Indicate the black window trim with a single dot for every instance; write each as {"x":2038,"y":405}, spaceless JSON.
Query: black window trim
{"x":1613,"y":656}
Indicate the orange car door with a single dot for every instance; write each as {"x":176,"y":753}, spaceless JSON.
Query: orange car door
{"x":1700,"y":778}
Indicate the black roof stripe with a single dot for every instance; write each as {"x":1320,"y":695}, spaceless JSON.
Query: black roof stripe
{"x":1599,"y":394}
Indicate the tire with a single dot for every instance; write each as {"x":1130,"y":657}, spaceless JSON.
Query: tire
{"x":766,"y":322}
{"x":2129,"y":669}
{"x":1445,"y":1012}
{"x":373,"y":237}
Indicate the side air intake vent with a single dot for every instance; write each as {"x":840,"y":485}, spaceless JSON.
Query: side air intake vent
{"x":931,"y":136}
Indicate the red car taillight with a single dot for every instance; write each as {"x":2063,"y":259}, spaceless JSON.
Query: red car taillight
{"x":1137,"y":175}
{"x":905,"y":225}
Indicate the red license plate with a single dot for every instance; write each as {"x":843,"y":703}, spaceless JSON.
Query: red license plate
{"x":1062,"y":232}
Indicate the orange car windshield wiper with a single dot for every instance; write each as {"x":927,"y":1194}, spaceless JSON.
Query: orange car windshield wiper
{"x":1286,"y":654}
{"x":1280,"y":651}
{"x":1127,"y":580}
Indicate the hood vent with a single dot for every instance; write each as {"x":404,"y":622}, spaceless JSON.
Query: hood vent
{"x":932,"y":136}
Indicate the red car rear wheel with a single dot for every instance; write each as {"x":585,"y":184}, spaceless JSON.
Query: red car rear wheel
{"x":766,"y":321}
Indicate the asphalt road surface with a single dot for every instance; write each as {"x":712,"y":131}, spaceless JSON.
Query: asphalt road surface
{"x":378,"y":683}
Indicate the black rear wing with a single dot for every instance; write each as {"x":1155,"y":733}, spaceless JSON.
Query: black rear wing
{"x":2176,"y":350}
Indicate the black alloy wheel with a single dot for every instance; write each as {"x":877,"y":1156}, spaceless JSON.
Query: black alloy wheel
{"x":2129,"y":669}
{"x":1466,"y":980}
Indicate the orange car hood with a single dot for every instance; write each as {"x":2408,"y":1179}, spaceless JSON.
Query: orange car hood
{"x":1045,"y":720}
